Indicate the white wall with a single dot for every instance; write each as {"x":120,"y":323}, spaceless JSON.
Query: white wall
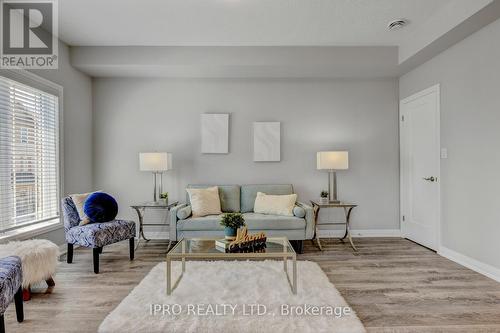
{"x":77,"y":122}
{"x":469,"y":74}
{"x":77,"y":142}
{"x":140,"y":115}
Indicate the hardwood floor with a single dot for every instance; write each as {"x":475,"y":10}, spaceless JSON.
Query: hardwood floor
{"x":393,"y":284}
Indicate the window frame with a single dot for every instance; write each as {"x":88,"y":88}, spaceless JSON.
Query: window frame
{"x":24,"y":77}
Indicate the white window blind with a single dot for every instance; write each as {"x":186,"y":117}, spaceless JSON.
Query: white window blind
{"x":29,"y":155}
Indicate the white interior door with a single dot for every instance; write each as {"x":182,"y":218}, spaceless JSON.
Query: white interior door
{"x":419,"y":167}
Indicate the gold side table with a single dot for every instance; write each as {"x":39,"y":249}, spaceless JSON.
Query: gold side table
{"x":140,"y":208}
{"x":347,"y":207}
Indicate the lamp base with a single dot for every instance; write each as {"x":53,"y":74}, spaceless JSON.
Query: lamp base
{"x":332,"y":187}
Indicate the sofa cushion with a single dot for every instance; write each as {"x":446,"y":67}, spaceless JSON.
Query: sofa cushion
{"x":210,"y":222}
{"x":275,"y":204}
{"x":204,"y":201}
{"x":249,"y":193}
{"x":229,"y":197}
{"x":254,"y":222}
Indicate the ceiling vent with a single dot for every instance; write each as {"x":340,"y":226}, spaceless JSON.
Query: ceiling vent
{"x":397,"y":24}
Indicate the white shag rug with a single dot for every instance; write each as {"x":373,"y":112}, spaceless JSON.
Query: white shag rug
{"x":234,"y":296}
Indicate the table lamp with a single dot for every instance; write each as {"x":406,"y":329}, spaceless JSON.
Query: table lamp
{"x":332,"y":161}
{"x":156,"y":163}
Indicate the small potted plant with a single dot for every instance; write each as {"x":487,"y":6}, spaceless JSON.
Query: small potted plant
{"x":231,"y":223}
{"x":324,"y":197}
{"x":164,"y":196}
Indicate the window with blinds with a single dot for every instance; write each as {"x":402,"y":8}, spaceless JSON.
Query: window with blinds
{"x":29,"y":155}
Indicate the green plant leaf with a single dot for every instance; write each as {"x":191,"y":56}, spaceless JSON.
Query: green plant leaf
{"x":232,"y":220}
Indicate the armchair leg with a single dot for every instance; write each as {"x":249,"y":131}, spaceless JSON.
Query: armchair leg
{"x":69,"y":255}
{"x":18,"y":300}
{"x":96,"y":259}
{"x":2,"y":324}
{"x":131,"y":247}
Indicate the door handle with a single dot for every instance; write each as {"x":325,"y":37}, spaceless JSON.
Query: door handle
{"x":430,"y":179}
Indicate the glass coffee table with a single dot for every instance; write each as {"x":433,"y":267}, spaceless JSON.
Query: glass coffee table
{"x":202,"y":248}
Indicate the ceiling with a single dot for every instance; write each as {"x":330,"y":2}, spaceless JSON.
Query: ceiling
{"x":240,"y":22}
{"x":264,"y":38}
{"x":237,"y":61}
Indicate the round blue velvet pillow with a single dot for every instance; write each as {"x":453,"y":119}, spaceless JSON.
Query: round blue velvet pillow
{"x":100,"y":207}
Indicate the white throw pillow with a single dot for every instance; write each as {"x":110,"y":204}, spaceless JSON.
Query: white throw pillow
{"x":79,"y":201}
{"x":275,"y":204}
{"x":204,"y":201}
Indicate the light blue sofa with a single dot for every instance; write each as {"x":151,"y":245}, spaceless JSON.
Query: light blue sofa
{"x":236,"y":198}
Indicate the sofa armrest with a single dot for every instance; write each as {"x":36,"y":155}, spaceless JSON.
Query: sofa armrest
{"x":309,"y":219}
{"x":172,"y":233}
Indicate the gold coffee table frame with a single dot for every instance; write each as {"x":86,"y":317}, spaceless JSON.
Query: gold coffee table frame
{"x":203,"y":248}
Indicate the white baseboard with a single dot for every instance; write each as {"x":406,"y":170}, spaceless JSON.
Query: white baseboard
{"x":475,"y":265}
{"x":156,"y":234}
{"x":63,"y":249}
{"x":361,"y":233}
{"x":322,"y":233}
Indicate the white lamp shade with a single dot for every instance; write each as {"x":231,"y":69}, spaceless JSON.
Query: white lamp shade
{"x":332,"y":160}
{"x":155,"y":161}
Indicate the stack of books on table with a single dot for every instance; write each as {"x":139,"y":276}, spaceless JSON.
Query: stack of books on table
{"x":222,"y":244}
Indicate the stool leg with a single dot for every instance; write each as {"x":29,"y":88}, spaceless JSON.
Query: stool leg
{"x":27,"y":294}
{"x":96,"y":259}
{"x":69,"y":255}
{"x":131,"y":248}
{"x":50,"y":282}
{"x":18,"y":299}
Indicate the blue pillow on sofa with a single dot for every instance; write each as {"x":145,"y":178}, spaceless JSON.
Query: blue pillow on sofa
{"x":100,"y":207}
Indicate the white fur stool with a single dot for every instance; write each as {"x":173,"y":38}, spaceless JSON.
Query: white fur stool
{"x":39,"y":259}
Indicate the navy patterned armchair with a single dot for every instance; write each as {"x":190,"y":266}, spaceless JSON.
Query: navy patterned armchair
{"x":11,"y":278}
{"x":94,"y":235}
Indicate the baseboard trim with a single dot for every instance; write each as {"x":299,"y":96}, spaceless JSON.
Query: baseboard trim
{"x":322,"y":233}
{"x":475,"y":265}
{"x":63,"y":249}
{"x":361,"y":233}
{"x":157,"y":234}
